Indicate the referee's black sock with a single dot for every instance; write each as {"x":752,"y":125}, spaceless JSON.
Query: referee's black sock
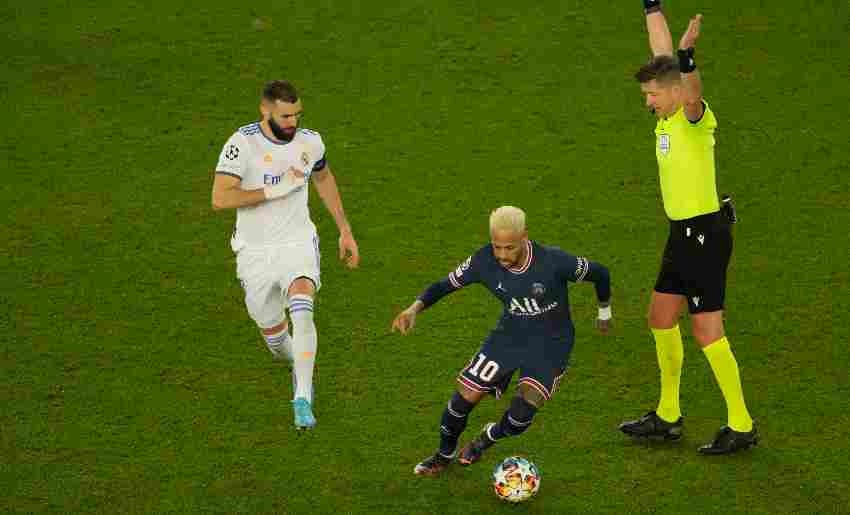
{"x":515,"y":420}
{"x":453,"y":423}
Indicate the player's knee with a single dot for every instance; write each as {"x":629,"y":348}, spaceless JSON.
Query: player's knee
{"x":707,"y":328}
{"x":663,"y":311}
{"x":470,"y":396}
{"x":707,"y":335}
{"x":658,"y":319}
{"x":520,"y":416}
{"x":532,"y":395}
{"x":301,"y":286}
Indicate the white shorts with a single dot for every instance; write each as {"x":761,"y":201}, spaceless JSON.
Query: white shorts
{"x":266,"y":274}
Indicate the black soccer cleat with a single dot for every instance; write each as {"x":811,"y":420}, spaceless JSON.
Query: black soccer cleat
{"x":653,"y":426}
{"x":728,"y":441}
{"x":473,"y":451}
{"x":433,"y":465}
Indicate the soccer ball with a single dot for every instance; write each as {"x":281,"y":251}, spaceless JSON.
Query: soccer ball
{"x":516,"y":479}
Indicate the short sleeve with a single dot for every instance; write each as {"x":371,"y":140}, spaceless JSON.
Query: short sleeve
{"x":321,"y":159}
{"x":233,"y":159}
{"x":708,"y":122}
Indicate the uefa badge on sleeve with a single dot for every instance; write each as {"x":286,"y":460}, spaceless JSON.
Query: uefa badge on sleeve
{"x":664,"y":143}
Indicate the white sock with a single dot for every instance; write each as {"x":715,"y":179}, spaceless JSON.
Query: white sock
{"x":279,"y":344}
{"x":304,"y":344}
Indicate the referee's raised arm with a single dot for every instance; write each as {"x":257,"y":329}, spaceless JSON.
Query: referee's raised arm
{"x":691,"y":81}
{"x":660,"y":40}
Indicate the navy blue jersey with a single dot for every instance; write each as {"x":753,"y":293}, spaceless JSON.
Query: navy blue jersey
{"x":534,"y":295}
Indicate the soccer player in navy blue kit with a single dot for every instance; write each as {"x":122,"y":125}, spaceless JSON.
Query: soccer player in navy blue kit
{"x":534,"y":335}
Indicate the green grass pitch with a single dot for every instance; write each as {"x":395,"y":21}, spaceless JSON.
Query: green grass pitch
{"x":133,"y":380}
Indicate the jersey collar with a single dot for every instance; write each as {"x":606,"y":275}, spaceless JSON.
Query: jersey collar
{"x":529,"y":255}
{"x":274,"y":141}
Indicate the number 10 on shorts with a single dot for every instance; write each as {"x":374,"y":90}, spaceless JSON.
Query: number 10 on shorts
{"x":485,"y":372}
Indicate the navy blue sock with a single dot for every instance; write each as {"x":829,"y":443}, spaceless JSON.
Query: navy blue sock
{"x":453,"y":423}
{"x":515,"y":421}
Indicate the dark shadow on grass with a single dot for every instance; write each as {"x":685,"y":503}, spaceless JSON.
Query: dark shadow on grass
{"x":654,"y":443}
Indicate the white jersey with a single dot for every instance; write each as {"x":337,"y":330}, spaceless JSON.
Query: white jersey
{"x":258,"y":161}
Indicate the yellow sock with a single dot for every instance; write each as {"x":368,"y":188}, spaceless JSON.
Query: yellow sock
{"x":668,"y":347}
{"x":725,"y":369}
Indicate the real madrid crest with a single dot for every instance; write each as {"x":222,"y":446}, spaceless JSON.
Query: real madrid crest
{"x":664,"y":143}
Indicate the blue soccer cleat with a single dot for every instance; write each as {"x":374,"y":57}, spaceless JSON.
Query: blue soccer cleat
{"x":304,"y":418}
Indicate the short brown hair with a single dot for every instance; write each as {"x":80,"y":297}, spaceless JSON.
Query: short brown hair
{"x":280,"y":90}
{"x":661,"y":68}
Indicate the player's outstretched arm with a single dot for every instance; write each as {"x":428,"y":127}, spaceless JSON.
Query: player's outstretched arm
{"x":405,"y":320}
{"x":660,"y":40}
{"x":691,"y":80}
{"x":325,"y":184}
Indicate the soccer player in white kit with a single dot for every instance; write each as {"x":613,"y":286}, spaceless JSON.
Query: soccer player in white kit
{"x":262,"y":172}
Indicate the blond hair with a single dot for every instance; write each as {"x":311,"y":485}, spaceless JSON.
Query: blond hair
{"x":508,"y":218}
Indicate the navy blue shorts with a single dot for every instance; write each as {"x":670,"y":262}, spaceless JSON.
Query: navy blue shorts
{"x":541,"y":363}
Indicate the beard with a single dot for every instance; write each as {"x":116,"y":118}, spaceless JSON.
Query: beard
{"x":281,"y":133}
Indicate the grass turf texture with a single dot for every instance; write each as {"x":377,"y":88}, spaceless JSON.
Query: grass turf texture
{"x":133,"y":380}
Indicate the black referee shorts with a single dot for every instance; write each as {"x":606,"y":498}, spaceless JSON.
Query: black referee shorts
{"x":695,"y":260}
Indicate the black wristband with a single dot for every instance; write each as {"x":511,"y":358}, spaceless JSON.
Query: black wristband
{"x":651,"y":6}
{"x":686,"y":60}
